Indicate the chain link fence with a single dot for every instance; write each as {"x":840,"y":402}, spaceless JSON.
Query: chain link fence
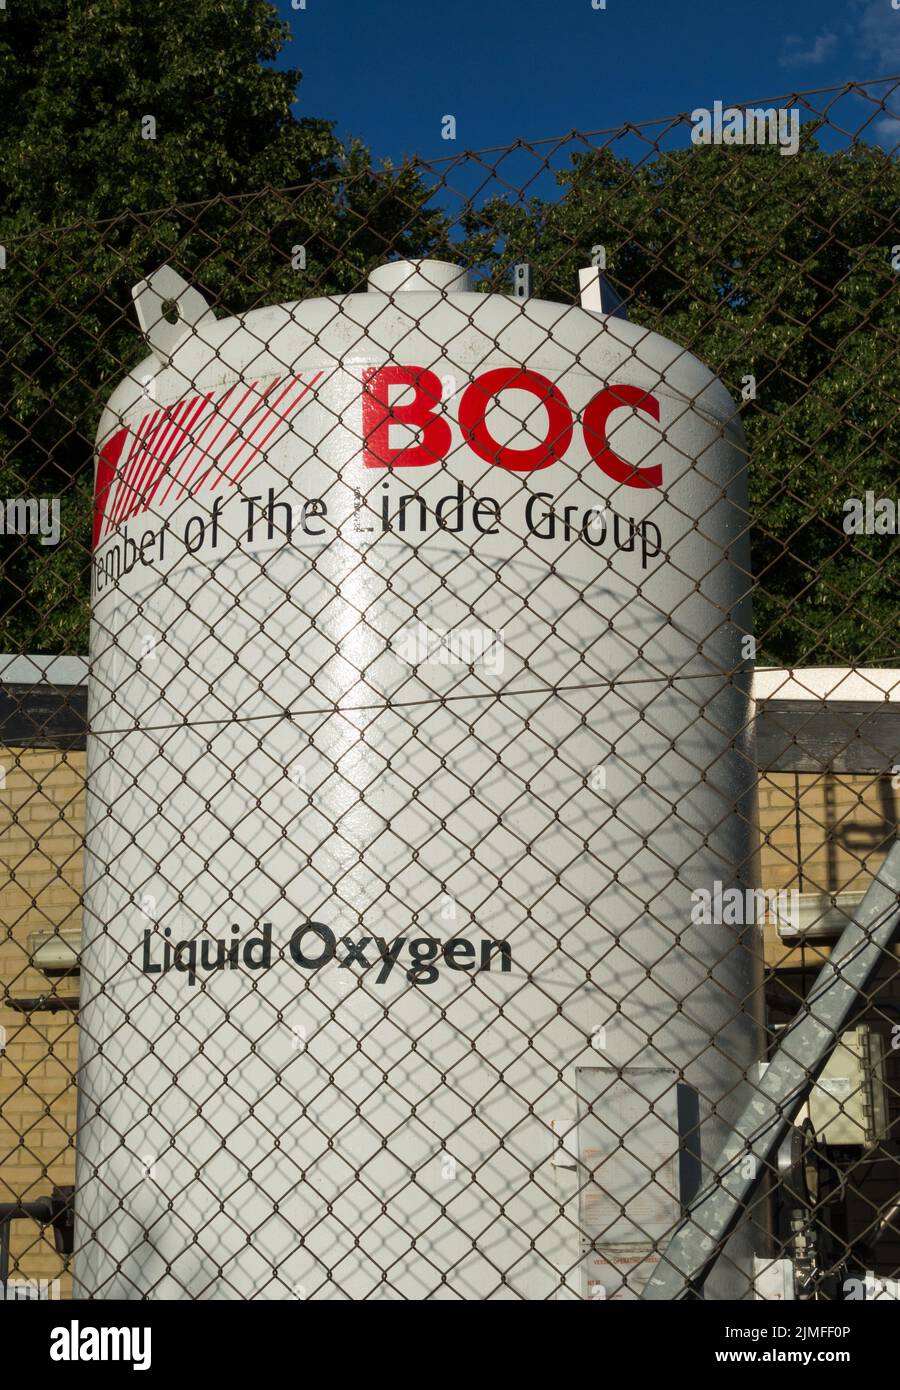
{"x":488,"y":729}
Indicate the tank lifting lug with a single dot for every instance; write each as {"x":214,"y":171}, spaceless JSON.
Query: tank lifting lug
{"x":168,"y":309}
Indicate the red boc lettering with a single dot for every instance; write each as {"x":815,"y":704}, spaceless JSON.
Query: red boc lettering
{"x":473,"y":409}
{"x":596,"y":415}
{"x":421,"y":413}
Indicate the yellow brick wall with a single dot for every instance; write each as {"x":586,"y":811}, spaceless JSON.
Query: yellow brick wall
{"x":41,"y":827}
{"x":821,"y":833}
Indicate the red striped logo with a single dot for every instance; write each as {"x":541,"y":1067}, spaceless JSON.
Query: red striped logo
{"x":198,"y":442}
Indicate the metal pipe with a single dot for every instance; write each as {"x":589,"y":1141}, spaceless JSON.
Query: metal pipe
{"x":43,"y":1003}
{"x":41,"y":1210}
{"x":886,"y":1220}
{"x":802,"y":1053}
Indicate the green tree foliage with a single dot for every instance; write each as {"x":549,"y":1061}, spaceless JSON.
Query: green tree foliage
{"x":773,"y":267}
{"x":237,"y":181}
{"x":767,"y":266}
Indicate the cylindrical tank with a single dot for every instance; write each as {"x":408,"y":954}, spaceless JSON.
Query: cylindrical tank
{"x":418,"y":708}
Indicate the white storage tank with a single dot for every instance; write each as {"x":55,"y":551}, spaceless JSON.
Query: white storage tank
{"x":418,"y":711}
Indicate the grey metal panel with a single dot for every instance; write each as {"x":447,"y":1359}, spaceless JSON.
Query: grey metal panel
{"x":831,"y":735}
{"x":43,"y":716}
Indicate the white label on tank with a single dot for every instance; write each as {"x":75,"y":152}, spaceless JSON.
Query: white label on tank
{"x":629,"y":1193}
{"x":259,"y":465}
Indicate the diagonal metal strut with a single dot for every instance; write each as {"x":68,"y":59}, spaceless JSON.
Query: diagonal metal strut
{"x":804,"y":1049}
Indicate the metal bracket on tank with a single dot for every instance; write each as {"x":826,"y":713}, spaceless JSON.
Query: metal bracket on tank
{"x":159,"y":297}
{"x":594,"y":290}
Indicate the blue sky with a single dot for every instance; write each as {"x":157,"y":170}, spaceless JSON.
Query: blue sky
{"x":389,"y":70}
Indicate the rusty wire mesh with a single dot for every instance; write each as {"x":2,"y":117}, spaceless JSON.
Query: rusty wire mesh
{"x":514,"y":772}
